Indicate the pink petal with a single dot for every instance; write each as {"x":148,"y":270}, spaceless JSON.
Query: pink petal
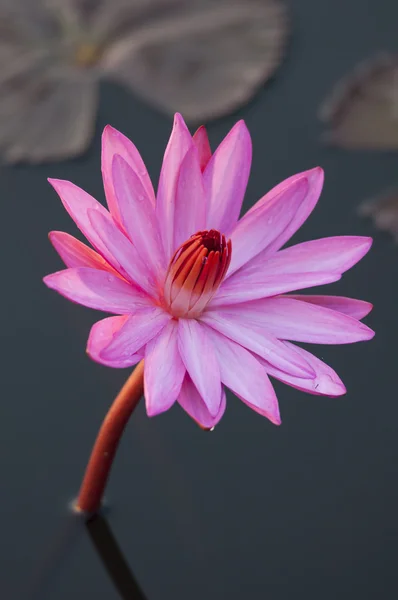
{"x":243,"y":374}
{"x":259,"y":227}
{"x":97,"y":289}
{"x":193,"y":404}
{"x":114,"y":142}
{"x":76,"y":254}
{"x":139,"y":329}
{"x":304,"y":265}
{"x":100,"y":337}
{"x":325,"y":383}
{"x":77,"y":202}
{"x":244,"y":286}
{"x":190,"y":207}
{"x":260,"y":342}
{"x":225,"y":179}
{"x":164,"y":370}
{"x":179,"y":144}
{"x":200,"y":361}
{"x":315,"y":179}
{"x":289,"y":319}
{"x":333,"y":255}
{"x":203,"y":145}
{"x":137,"y":214}
{"x":124,"y":254}
{"x":358,"y":309}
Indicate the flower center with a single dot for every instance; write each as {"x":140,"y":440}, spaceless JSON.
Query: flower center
{"x":195,"y":273}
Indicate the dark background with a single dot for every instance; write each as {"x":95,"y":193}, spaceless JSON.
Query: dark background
{"x":308,"y":509}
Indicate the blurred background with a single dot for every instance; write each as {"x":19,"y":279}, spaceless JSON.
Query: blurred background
{"x":308,"y":509}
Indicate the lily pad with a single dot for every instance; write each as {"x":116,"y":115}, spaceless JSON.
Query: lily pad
{"x":203,"y":58}
{"x":362,"y":110}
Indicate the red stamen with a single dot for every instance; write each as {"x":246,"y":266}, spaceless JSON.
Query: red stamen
{"x":195,"y":273}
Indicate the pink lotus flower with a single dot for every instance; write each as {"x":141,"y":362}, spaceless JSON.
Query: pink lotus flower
{"x":199,"y":293}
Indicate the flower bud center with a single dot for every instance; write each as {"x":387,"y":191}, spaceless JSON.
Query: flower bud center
{"x":195,"y":273}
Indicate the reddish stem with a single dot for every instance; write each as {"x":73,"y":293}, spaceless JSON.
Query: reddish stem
{"x":107,"y":442}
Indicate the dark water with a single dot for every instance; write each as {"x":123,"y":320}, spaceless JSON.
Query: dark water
{"x":249,"y":511}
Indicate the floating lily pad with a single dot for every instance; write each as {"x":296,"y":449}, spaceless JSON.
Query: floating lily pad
{"x":202,"y":58}
{"x":362,"y":111}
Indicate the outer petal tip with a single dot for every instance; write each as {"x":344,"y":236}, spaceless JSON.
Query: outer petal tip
{"x":193,"y":404}
{"x":201,"y":130}
{"x":331,"y":387}
{"x":316,"y":173}
{"x":52,"y":281}
{"x":339,"y":389}
{"x":274,"y":415}
{"x":179,"y":125}
{"x":93,"y":347}
{"x":54,"y":182}
{"x":48,"y":280}
{"x":100,"y":337}
{"x":240,"y":129}
{"x":59,"y":185}
{"x":179,"y":121}
{"x":108,"y":129}
{"x":154,"y":411}
{"x":369,"y":308}
{"x":109,"y":132}
{"x":328,"y":386}
{"x":367,"y":243}
{"x":54,"y":235}
{"x":364,"y":245}
{"x":316,"y":177}
{"x":368,"y":333}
